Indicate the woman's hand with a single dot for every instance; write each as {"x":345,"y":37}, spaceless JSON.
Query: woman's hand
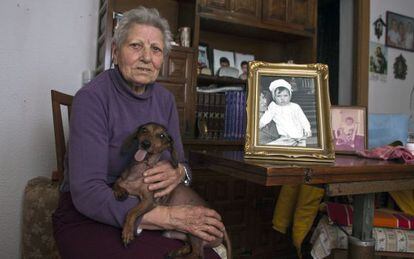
{"x":199,"y":221}
{"x":163,"y":178}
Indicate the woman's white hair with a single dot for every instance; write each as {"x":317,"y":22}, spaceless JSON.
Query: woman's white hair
{"x":142,"y":15}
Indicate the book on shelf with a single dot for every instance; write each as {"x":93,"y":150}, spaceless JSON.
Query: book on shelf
{"x":199,"y":114}
{"x":242,"y":114}
{"x":226,"y":116}
{"x":211,"y":117}
{"x":220,"y":112}
{"x":234,"y":115}
{"x":237,"y":134}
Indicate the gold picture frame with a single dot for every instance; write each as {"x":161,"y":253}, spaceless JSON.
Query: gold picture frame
{"x":277,"y":127}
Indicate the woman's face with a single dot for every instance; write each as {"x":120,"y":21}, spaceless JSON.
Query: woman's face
{"x":140,"y":56}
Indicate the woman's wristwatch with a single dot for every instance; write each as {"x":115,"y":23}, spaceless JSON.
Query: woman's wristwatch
{"x":187,"y":177}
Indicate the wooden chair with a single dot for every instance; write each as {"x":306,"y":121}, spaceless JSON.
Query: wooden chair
{"x":59,"y":99}
{"x":41,"y":194}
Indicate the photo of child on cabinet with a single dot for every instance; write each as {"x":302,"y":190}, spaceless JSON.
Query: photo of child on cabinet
{"x":348,"y":128}
{"x":291,"y":122}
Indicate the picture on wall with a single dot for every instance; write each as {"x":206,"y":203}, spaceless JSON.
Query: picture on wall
{"x":349,"y":128}
{"x":400,"y":67}
{"x":377,"y":58}
{"x":379,"y":27}
{"x":288,"y":112}
{"x":400,"y":31}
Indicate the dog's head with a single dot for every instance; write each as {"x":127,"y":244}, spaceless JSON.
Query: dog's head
{"x":149,"y":139}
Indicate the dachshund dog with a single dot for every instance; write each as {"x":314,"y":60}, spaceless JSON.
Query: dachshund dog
{"x":148,"y":142}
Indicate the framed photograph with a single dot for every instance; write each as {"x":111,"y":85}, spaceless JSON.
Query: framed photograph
{"x":288,"y":112}
{"x":349,"y":128}
{"x":203,"y":56}
{"x":400,"y":31}
{"x":241,"y":63}
{"x":222,"y":58}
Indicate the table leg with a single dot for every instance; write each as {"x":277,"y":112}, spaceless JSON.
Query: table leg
{"x":361,"y":244}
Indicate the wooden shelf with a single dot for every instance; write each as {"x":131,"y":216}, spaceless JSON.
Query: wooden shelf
{"x":203,"y":80}
{"x":212,"y":142}
{"x":212,"y":22}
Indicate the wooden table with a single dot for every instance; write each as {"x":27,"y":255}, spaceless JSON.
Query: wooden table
{"x":348,"y":175}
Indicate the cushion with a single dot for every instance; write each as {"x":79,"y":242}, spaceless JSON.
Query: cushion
{"x":341,"y":214}
{"x":327,"y":237}
{"x":40,"y":200}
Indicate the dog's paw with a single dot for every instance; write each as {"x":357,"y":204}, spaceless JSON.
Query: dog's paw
{"x":183,"y":252}
{"x":127,"y":236}
{"x":121,"y":195}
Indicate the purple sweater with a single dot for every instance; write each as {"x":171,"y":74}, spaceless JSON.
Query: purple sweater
{"x":104,"y":113}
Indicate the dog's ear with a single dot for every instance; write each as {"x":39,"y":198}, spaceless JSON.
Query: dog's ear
{"x":174,"y":159}
{"x":131,"y":143}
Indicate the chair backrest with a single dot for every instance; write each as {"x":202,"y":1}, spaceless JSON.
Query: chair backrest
{"x":59,"y":99}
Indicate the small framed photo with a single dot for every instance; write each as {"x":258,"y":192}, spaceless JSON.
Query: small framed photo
{"x":242,"y":63}
{"x":288,"y":112}
{"x":222,"y":58}
{"x":203,"y":56}
{"x":349,"y":128}
{"x":400,"y":31}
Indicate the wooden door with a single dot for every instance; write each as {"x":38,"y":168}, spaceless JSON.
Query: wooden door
{"x":274,"y":11}
{"x":220,"y":5}
{"x":177,"y":76}
{"x":246,"y":9}
{"x":294,"y":14}
{"x":239,"y":11}
{"x":302,"y":14}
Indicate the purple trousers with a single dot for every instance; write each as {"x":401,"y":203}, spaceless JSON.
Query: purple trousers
{"x":79,"y":237}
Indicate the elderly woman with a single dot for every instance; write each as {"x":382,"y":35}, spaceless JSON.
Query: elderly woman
{"x":88,"y":221}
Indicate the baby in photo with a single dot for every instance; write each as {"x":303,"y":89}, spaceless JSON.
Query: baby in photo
{"x":293,"y":128}
{"x":345,"y":135}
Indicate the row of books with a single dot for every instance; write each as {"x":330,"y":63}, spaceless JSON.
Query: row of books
{"x":221,"y":113}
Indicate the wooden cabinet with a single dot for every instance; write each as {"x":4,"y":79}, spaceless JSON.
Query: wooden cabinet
{"x":271,"y":30}
{"x":302,"y":13}
{"x":239,"y":9}
{"x":177,"y":76}
{"x":297,"y":14}
{"x":221,"y":5}
{"x":246,"y":9}
{"x":274,"y":11}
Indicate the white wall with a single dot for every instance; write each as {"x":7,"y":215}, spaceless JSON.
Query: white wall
{"x":44,"y":45}
{"x":392,"y":96}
